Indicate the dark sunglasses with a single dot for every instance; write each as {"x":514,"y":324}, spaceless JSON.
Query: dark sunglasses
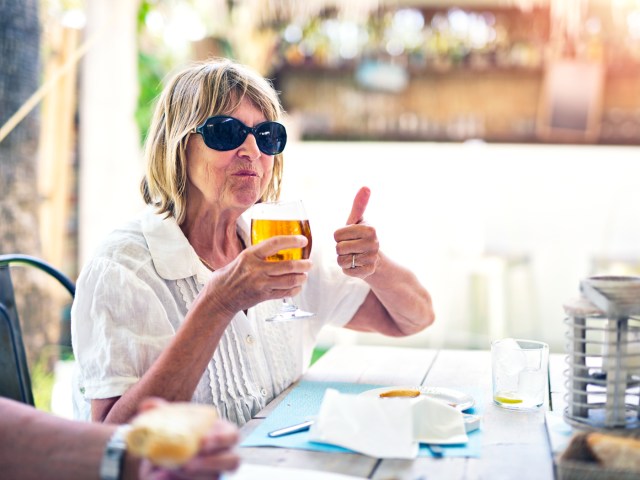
{"x":225,"y":133}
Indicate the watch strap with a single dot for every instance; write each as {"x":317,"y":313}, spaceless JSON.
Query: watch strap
{"x":112,"y":462}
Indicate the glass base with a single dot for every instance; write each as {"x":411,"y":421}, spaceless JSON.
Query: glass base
{"x":286,"y":315}
{"x":513,"y":401}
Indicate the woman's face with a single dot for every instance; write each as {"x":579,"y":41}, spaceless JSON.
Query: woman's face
{"x":234,"y":179}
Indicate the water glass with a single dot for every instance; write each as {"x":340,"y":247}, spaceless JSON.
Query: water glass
{"x":520,"y":373}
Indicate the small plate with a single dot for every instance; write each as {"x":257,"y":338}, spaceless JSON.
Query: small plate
{"x":456,"y":399}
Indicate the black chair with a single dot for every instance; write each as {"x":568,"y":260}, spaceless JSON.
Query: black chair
{"x":15,"y":381}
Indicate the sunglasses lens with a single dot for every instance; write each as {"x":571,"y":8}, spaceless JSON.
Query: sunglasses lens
{"x":226,"y":133}
{"x":223,"y":133}
{"x":271,"y":137}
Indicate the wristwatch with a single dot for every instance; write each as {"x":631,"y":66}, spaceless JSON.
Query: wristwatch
{"x":113,"y":457}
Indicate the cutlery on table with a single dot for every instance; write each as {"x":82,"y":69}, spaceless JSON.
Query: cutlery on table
{"x":298,"y":427}
{"x":472,"y":422}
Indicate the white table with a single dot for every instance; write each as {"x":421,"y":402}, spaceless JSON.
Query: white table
{"x":514,"y":444}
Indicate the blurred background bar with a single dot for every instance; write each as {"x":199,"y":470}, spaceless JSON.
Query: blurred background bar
{"x":500,"y":138}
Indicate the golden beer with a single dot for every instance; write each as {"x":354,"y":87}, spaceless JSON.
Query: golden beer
{"x":262,"y":229}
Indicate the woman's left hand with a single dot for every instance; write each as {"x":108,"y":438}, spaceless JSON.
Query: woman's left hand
{"x":357,"y":244}
{"x":397,"y":304}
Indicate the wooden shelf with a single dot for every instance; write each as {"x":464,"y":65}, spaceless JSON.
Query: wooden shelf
{"x":349,"y":69}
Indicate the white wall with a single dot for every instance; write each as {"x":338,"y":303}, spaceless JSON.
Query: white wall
{"x":455,"y":212}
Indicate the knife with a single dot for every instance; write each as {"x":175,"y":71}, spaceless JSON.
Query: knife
{"x":298,"y":427}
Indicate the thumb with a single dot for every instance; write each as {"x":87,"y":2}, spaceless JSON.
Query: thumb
{"x":359,"y":206}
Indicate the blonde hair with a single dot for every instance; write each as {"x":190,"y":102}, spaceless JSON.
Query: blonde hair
{"x":204,"y":89}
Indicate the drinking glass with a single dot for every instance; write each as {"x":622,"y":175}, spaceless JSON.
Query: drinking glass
{"x":269,"y":219}
{"x":520,"y":373}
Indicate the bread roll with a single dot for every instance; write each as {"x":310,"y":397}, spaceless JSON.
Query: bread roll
{"x":622,"y":453}
{"x":170,"y":434}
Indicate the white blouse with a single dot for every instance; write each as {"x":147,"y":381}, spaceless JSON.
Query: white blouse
{"x":135,"y":292}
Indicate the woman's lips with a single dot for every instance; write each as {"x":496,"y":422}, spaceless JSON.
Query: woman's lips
{"x":245,"y":173}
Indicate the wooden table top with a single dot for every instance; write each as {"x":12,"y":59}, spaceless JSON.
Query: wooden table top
{"x":515,"y":445}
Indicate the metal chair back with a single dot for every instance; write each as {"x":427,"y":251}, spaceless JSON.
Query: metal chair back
{"x":15,"y":381}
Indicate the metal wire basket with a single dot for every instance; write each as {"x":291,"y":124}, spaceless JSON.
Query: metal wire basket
{"x":603,"y":356}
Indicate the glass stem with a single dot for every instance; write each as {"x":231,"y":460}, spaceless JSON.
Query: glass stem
{"x":288,"y":305}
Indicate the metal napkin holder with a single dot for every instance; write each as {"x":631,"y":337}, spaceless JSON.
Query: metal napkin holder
{"x":603,"y":356}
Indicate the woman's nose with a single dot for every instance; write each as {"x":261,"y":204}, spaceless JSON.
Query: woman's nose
{"x":249,"y":147}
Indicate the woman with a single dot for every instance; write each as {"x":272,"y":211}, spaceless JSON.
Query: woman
{"x":173,"y":304}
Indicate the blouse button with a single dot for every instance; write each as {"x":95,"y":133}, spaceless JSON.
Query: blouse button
{"x":263,"y":392}
{"x":250,"y":340}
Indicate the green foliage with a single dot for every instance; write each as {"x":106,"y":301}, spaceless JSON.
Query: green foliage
{"x":42,"y":380}
{"x":151,"y":71}
{"x":143,"y":10}
{"x":150,"y":74}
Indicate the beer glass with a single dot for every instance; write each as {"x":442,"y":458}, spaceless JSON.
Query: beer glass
{"x":269,"y":219}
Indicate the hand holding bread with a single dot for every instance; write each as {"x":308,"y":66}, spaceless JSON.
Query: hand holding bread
{"x":170,"y":434}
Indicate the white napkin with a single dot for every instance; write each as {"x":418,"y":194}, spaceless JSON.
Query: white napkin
{"x":385,"y":427}
{"x":437,"y":422}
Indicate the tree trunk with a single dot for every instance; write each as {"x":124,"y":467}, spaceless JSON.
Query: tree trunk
{"x":20,"y":67}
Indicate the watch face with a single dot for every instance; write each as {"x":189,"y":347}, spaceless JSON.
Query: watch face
{"x":113,"y":457}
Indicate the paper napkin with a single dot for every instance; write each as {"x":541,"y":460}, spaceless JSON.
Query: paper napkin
{"x":436,"y":422}
{"x":385,"y":427}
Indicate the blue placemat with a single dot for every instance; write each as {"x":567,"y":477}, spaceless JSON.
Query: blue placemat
{"x":303,"y":403}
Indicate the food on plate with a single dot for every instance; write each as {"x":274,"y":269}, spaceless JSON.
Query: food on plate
{"x":606,"y":451}
{"x":170,"y":434}
{"x":454,"y":398}
{"x":615,"y":452}
{"x":401,"y":392}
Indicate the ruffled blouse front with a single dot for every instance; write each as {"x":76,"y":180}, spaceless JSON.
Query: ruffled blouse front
{"x":134,"y":294}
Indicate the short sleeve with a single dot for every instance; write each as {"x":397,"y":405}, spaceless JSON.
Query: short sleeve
{"x":333,"y":296}
{"x":113,"y":342}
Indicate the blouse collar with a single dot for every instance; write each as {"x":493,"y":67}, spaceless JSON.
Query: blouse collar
{"x":172,"y":254}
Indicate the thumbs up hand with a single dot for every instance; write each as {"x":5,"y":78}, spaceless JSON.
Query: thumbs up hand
{"x":357,"y":243}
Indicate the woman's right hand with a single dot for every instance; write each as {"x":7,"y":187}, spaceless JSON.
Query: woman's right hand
{"x":251,"y":278}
